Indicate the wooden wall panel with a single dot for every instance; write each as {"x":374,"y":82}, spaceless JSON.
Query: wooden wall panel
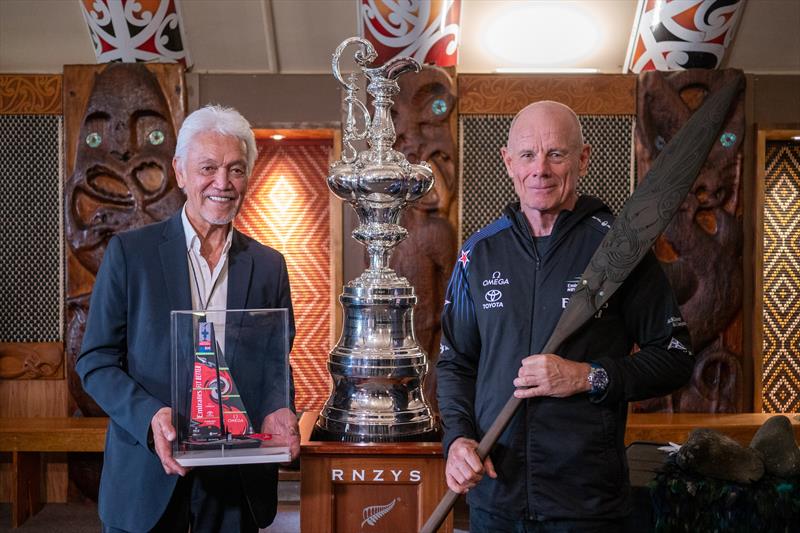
{"x":30,"y":94}
{"x":502,"y":94}
{"x":157,"y":91}
{"x":32,"y":380}
{"x":31,"y":360}
{"x":122,"y":104}
{"x":422,"y":115}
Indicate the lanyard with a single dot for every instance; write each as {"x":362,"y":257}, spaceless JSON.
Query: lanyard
{"x":203,"y":305}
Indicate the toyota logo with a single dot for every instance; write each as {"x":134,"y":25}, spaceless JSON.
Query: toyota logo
{"x":493,"y":295}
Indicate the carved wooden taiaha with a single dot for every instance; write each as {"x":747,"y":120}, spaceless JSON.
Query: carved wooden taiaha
{"x":642,"y":219}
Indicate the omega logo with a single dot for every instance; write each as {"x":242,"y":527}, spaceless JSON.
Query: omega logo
{"x":497,"y":279}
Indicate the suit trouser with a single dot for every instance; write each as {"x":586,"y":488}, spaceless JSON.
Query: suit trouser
{"x":210,"y":499}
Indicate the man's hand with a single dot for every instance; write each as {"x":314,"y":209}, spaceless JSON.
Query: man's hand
{"x":283,"y":425}
{"x":464,"y":468}
{"x":163,"y":435}
{"x":551,"y":375}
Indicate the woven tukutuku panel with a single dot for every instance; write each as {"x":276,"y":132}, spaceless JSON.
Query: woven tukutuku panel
{"x":781,"y":279}
{"x":287,"y":208}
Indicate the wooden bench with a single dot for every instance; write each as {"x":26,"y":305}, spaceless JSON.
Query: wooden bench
{"x":675,"y":427}
{"x":28,"y":438}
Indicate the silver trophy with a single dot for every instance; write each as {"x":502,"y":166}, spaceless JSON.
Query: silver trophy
{"x":377,"y":366}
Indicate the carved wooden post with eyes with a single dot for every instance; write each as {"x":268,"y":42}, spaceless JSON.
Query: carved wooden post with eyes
{"x":120,"y":124}
{"x":701,"y":249}
{"x":422,"y":115}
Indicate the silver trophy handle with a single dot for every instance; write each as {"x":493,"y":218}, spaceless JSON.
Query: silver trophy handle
{"x":365,"y":55}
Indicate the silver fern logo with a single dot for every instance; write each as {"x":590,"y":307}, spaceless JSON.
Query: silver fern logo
{"x":373,"y":513}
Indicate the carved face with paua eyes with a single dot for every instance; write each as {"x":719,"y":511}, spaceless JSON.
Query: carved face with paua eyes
{"x":421,"y":116}
{"x":123,"y":175}
{"x":701,"y":249}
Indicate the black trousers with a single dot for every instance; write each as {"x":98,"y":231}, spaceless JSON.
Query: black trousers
{"x":483,"y":522}
{"x":209,"y":499}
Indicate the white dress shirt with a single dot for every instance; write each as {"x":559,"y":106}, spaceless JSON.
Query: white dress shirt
{"x":209,"y":288}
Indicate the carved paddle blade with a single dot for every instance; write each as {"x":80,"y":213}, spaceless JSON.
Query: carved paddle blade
{"x":654,"y":202}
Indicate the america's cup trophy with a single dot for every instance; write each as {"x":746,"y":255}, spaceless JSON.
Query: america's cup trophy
{"x":377,"y":366}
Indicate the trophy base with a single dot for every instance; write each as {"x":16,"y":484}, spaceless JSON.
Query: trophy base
{"x":214,"y":444}
{"x":323,"y":435}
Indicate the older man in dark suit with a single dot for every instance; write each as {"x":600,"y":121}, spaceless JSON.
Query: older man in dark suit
{"x":193,"y":260}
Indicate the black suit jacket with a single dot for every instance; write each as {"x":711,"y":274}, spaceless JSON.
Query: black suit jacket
{"x":125,"y":360}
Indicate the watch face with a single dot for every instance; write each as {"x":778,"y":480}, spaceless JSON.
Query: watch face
{"x":598,"y":379}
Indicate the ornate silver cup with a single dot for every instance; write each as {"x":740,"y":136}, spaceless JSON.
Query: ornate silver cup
{"x":377,"y":366}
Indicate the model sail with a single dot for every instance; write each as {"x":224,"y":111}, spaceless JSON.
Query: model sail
{"x":217,"y":410}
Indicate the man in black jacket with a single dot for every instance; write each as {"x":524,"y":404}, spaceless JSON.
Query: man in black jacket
{"x":560,"y":465}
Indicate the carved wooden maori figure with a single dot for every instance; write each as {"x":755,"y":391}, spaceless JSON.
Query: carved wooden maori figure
{"x":421,"y":116}
{"x":701,"y":250}
{"x":122,"y":178}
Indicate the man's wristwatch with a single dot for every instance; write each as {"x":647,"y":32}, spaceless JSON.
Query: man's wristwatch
{"x":598,"y":379}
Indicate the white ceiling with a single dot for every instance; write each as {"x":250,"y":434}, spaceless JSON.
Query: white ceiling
{"x":298,"y":36}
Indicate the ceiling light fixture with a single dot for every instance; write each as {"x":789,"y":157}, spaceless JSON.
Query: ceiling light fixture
{"x":541,"y":34}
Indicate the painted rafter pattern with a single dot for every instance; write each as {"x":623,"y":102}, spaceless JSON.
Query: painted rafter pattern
{"x":677,"y":35}
{"x":132,"y":31}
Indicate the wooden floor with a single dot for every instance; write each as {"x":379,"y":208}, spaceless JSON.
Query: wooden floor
{"x":82,"y":518}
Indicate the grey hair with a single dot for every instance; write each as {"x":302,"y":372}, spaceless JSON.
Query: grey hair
{"x":218,"y":119}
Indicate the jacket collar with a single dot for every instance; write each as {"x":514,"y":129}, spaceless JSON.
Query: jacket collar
{"x":584,"y":207}
{"x":240,"y":271}
{"x":176,"y":268}
{"x":174,"y":265}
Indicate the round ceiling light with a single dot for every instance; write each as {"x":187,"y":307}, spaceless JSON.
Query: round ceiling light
{"x":541,"y":34}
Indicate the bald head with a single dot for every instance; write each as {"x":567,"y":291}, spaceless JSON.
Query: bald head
{"x":545,"y":158}
{"x":547,"y":111}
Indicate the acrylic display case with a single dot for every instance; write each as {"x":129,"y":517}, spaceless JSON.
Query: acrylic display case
{"x":230,"y":370}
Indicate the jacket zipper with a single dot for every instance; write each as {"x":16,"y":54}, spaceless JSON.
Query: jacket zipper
{"x":538,"y":260}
